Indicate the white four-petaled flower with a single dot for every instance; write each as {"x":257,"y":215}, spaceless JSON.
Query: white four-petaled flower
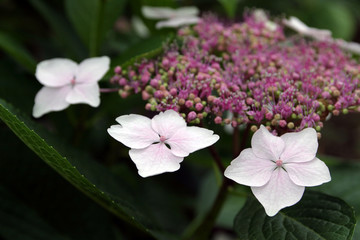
{"x":159,"y":144}
{"x":278,"y":168}
{"x":66,"y":82}
{"x":174,"y":17}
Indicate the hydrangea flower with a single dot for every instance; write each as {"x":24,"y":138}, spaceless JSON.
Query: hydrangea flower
{"x":174,"y":17}
{"x":66,"y":82}
{"x":159,"y":144}
{"x":278,"y":168}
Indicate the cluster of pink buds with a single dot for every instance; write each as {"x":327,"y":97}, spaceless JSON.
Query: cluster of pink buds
{"x":250,"y":70}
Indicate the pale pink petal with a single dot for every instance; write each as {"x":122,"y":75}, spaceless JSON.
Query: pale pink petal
{"x":177,"y":22}
{"x":56,"y":72}
{"x":353,"y":47}
{"x":157,"y":12}
{"x":50,"y":99}
{"x":134,"y":131}
{"x":247,"y":169}
{"x":309,"y":174}
{"x":278,"y":193}
{"x":155,"y":159}
{"x":91,"y":70}
{"x":190,"y":139}
{"x":265,"y":145}
{"x":296,"y":24}
{"x":187,"y":11}
{"x":167,"y":123}
{"x":300,"y":146}
{"x":84,"y":93}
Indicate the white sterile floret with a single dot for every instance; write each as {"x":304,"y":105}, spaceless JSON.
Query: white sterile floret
{"x":173,"y":17}
{"x":278,"y":168}
{"x":66,"y":82}
{"x":300,"y":27}
{"x":159,"y":144}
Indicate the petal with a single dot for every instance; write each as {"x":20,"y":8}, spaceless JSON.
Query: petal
{"x":134,"y":131}
{"x":85,"y":93}
{"x":167,"y":123}
{"x":309,"y":174}
{"x":157,"y":12}
{"x":247,"y":169}
{"x":50,"y":99}
{"x":155,"y":159}
{"x":278,"y":193}
{"x":139,"y":27}
{"x":56,"y":72}
{"x":296,"y":24}
{"x":300,"y":146}
{"x":190,"y":139}
{"x":177,"y":22}
{"x":92,"y":70}
{"x":265,"y":145}
{"x":187,"y":11}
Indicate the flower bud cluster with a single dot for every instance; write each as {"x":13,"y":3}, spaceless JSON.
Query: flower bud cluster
{"x":249,"y":69}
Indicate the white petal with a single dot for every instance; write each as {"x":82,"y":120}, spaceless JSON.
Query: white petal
{"x":56,"y":72}
{"x":85,"y":93}
{"x":177,"y":22}
{"x":190,"y":139}
{"x":300,"y":146}
{"x":92,"y":70}
{"x":157,"y":12}
{"x":167,"y":123}
{"x":50,"y":99}
{"x":187,"y":11}
{"x":265,"y":145}
{"x":296,"y":24}
{"x":309,"y":174}
{"x":353,"y":47}
{"x":278,"y":193}
{"x":139,"y":27}
{"x":155,"y":159}
{"x":247,"y":169}
{"x":134,"y":131}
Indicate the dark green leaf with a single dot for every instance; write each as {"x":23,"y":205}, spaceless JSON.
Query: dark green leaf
{"x":120,"y":207}
{"x":92,"y":19}
{"x":66,"y":38}
{"x":17,"y":52}
{"x":317,"y":217}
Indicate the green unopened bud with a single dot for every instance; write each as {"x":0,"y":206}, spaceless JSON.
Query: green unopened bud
{"x":330,"y":107}
{"x":345,"y":111}
{"x":290,"y":125}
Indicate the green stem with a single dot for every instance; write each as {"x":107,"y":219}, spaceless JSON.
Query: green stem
{"x":95,"y":38}
{"x":203,"y":230}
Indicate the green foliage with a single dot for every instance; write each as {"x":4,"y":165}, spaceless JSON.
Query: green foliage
{"x":119,"y":207}
{"x":15,"y":50}
{"x":92,"y":19}
{"x":229,"y":6}
{"x":316,"y":216}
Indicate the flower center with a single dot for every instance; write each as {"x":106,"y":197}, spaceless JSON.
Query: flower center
{"x":279,"y":163}
{"x":73,"y":81}
{"x":162,"y":139}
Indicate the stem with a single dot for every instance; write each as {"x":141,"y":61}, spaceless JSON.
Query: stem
{"x":107,"y":90}
{"x":203,"y":231}
{"x":217,"y":158}
{"x":236,"y":144}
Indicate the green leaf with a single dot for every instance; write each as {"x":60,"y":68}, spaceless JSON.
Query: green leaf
{"x":17,"y":52}
{"x":317,"y":217}
{"x":92,"y":19}
{"x":229,"y":6}
{"x":345,"y":184}
{"x":62,"y":29}
{"x":15,"y":216}
{"x":118,"y":206}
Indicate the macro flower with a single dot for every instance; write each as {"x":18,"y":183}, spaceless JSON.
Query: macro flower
{"x":159,"y":144}
{"x":66,"y":82}
{"x":278,"y":168}
{"x":173,"y":17}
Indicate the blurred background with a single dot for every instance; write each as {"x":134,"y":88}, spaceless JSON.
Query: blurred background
{"x":37,"y":203}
